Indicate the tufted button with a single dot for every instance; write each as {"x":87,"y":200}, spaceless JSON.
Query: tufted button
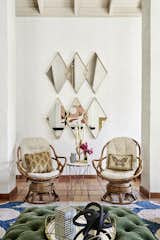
{"x":22,"y":220}
{"x":127,"y":229}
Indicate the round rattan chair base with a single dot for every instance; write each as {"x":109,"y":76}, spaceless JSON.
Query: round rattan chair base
{"x":41,"y":192}
{"x":120,"y":193}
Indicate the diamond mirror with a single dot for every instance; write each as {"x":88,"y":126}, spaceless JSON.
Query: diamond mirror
{"x":76,"y":72}
{"x":57,"y":72}
{"x":76,"y":116}
{"x":96,"y":72}
{"x":57,"y":118}
{"x":96,"y":117}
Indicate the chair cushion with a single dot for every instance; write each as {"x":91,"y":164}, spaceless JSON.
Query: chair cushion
{"x":30,"y":225}
{"x":38,"y":162}
{"x":123,"y":146}
{"x":33,"y":145}
{"x":44,"y":176}
{"x":117,"y":175}
{"x":120,"y":162}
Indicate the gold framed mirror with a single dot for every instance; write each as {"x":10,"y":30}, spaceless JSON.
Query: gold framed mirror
{"x":57,"y":72}
{"x":57,"y":118}
{"x":76,"y":72}
{"x":96,"y":117}
{"x":77,"y":116}
{"x":96,"y":72}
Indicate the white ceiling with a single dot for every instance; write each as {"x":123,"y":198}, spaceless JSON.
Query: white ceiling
{"x":79,"y":8}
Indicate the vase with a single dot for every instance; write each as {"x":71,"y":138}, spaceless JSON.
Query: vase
{"x":85,"y":158}
{"x":73,"y":157}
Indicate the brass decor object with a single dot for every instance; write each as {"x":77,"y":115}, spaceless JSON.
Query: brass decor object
{"x":41,"y":187}
{"x":119,"y":183}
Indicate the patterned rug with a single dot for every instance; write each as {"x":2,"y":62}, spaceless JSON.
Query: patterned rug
{"x":146,"y":210}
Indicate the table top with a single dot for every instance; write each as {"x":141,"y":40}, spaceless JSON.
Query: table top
{"x":78,"y":164}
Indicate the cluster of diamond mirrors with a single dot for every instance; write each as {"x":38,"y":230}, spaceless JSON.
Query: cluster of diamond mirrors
{"x":94,"y":72}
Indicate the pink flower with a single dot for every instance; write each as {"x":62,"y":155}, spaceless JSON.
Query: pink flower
{"x":84,"y":147}
{"x":90,"y":151}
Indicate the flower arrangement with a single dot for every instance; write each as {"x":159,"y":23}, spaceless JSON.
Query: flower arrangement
{"x":86,"y":150}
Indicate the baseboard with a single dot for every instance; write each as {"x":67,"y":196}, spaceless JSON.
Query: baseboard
{"x":79,"y":176}
{"x":145,"y":192}
{"x":8,"y":196}
{"x":155,"y":195}
{"x":20,"y":177}
{"x":148,"y":194}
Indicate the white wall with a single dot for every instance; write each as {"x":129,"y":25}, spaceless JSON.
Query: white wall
{"x":146,"y":94}
{"x":155,"y":98}
{"x":8,"y":96}
{"x":150,"y":96}
{"x":12,"y":92}
{"x":118,"y":43}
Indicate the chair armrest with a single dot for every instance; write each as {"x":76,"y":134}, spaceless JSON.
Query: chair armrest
{"x":97,"y":164}
{"x":60,"y":164}
{"x":139,"y":169}
{"x":21,"y":169}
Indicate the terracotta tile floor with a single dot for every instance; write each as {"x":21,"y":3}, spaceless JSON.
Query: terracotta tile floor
{"x":89,"y":190}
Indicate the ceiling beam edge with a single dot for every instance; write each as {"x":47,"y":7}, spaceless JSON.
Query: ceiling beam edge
{"x":140,"y":5}
{"x":109,"y":6}
{"x":39,"y":5}
{"x":76,"y":7}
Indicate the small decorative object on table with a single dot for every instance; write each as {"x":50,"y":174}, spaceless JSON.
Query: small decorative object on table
{"x":95,"y":223}
{"x":81,"y":147}
{"x":73,"y":157}
{"x":86,"y":150}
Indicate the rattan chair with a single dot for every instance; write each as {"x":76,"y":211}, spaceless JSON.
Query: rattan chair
{"x":119,"y":183}
{"x":41,"y":187}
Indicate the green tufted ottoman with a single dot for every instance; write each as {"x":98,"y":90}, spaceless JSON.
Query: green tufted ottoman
{"x":30,"y":225}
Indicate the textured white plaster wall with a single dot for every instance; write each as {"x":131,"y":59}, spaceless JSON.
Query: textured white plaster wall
{"x":155,"y":98}
{"x":118,"y":43}
{"x":150,"y":96}
{"x":7,"y":96}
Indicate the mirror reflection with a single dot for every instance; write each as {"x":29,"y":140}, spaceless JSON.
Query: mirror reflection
{"x":96,"y":118}
{"x":57,"y":72}
{"x":57,"y":118}
{"x":96,"y":72}
{"x":76,"y":72}
{"x":77,"y":116}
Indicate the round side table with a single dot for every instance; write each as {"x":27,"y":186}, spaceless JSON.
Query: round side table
{"x":78,"y":169}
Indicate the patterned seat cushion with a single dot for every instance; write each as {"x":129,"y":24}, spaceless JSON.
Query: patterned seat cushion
{"x":30,"y":225}
{"x":38,"y":162}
